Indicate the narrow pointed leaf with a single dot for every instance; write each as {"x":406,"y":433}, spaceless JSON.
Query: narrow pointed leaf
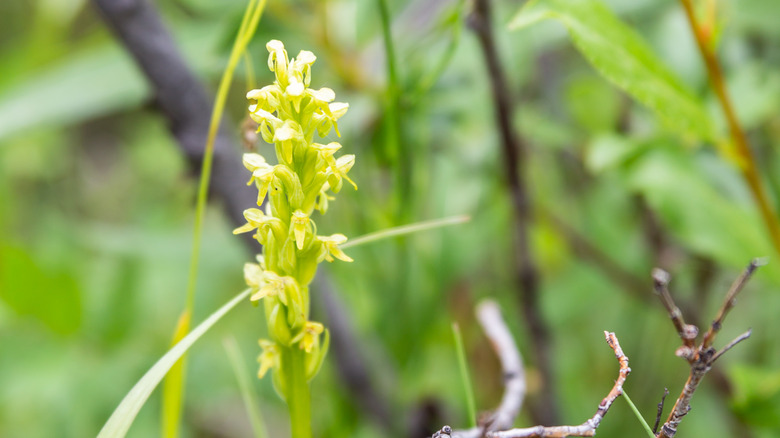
{"x":119,"y":422}
{"x":405,"y":229}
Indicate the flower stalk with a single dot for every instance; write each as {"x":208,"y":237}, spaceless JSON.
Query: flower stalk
{"x":289,"y":113}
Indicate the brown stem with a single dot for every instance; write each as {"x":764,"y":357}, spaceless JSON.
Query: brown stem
{"x":660,"y":410}
{"x":747,"y":162}
{"x":514,"y":153}
{"x":588,"y":428}
{"x":701,"y":357}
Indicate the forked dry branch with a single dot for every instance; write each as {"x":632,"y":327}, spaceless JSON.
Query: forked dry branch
{"x":495,"y":426}
{"x":701,"y":357}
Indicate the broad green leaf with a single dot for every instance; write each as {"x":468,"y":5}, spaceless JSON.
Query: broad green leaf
{"x":85,"y":85}
{"x":122,"y":418}
{"x":706,"y":220}
{"x":51,"y":296}
{"x":619,"y":54}
{"x":92,"y":82}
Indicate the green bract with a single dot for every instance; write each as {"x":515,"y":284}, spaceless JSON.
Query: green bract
{"x":289,"y":114}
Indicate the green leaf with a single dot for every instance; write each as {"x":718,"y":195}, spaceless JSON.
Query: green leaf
{"x":619,"y":54}
{"x":405,"y":229}
{"x":89,"y":83}
{"x":51,"y":296}
{"x":705,"y":219}
{"x":119,"y":422}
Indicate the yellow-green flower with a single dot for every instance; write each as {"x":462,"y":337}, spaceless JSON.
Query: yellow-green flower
{"x":262,"y":174}
{"x":264,"y":224}
{"x":288,"y":113}
{"x":339,"y":173}
{"x":270,"y":284}
{"x":326,"y":153}
{"x":300,"y":222}
{"x":277,"y":60}
{"x":309,"y":336}
{"x":269,"y":358}
{"x":324,"y":122}
{"x":330,"y":247}
{"x":288,"y":134}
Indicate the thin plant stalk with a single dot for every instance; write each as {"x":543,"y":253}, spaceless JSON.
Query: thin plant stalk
{"x":246,"y":31}
{"x":464,"y":375}
{"x":404,"y":230}
{"x":638,"y":415}
{"x":236,"y":359}
{"x":299,"y":399}
{"x":395,"y":146}
{"x":173,"y":388}
{"x":746,"y":160}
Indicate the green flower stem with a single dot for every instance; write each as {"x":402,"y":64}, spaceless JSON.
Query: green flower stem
{"x":289,"y":113}
{"x":298,"y":393}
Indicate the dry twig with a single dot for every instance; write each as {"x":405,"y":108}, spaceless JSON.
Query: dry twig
{"x":492,"y":429}
{"x":700,"y":358}
{"x":660,"y":411}
{"x":588,"y":428}
{"x":489,"y":316}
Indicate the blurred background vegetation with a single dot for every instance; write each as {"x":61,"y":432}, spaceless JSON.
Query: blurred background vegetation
{"x":96,"y":210}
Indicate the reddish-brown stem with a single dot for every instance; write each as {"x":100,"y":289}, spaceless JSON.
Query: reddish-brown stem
{"x":747,"y":162}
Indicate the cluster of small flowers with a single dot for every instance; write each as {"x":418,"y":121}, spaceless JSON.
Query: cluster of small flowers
{"x":289,"y":113}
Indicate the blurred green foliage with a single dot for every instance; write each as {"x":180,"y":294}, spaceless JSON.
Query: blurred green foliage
{"x":96,"y":213}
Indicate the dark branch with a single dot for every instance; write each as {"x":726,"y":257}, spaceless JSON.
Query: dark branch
{"x":660,"y":410}
{"x":731,"y":299}
{"x":181,"y":99}
{"x":514,"y":157}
